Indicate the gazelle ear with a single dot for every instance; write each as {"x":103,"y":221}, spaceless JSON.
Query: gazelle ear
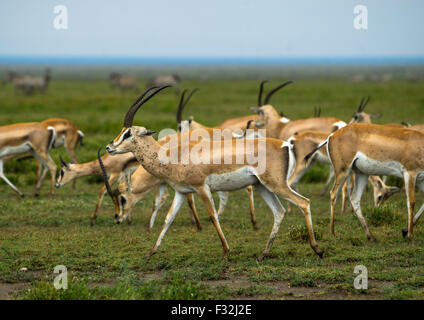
{"x":63,"y":163}
{"x":190,"y":119}
{"x":375,"y":115}
{"x":149,"y":133}
{"x":393,"y":190}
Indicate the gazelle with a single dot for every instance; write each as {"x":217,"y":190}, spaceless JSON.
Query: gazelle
{"x":142,"y":182}
{"x":27,"y":83}
{"x":122,"y":81}
{"x":115,"y":166}
{"x":34,"y":138}
{"x":369,"y":149}
{"x":204,"y":178}
{"x":418,"y":127}
{"x":304,"y":143}
{"x":282,"y":128}
{"x":172,"y":80}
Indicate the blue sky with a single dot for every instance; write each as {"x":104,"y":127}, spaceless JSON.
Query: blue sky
{"x":218,"y":28}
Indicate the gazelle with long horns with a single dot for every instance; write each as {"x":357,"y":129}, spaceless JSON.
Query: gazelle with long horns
{"x":214,"y":173}
{"x":142,"y":182}
{"x":369,"y":149}
{"x":22,"y":138}
{"x":282,"y":128}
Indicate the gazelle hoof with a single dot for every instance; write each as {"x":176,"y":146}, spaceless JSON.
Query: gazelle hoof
{"x":92,"y":223}
{"x":35,"y":195}
{"x":404,"y":232}
{"x":372,"y":239}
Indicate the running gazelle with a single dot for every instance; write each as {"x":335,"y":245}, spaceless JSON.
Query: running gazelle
{"x":370,"y":149}
{"x":204,"y":178}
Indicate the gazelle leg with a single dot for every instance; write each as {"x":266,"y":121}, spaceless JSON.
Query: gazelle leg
{"x":338,"y":184}
{"x":249,"y":190}
{"x":70,"y":146}
{"x":195,"y":216}
{"x":160,"y":198}
{"x":410,"y":180}
{"x":49,"y":164}
{"x":112,"y":179}
{"x":175,"y":207}
{"x":361,"y":181}
{"x":206,"y":196}
{"x":418,"y":214}
{"x":277,"y":210}
{"x":344,"y":194}
{"x":223,"y":199}
{"x":7,"y":180}
{"x":39,"y":169}
{"x":304,"y":205}
{"x":327,"y":184}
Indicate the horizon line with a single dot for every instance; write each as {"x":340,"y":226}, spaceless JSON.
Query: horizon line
{"x":219,"y":60}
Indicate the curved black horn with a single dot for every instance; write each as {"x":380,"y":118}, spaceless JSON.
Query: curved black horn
{"x":247,"y":128}
{"x":261,"y":89}
{"x":63,"y":163}
{"x":269,"y":95}
{"x":108,"y":187}
{"x":181,"y":107}
{"x":189,"y":96}
{"x":365,"y":103}
{"x":129,"y":117}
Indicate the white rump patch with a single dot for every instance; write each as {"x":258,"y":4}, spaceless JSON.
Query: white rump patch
{"x":339,"y":124}
{"x":284,"y":120}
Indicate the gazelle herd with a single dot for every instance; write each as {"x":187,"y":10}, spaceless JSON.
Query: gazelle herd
{"x":197,"y":159}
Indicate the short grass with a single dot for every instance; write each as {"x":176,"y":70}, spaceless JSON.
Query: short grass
{"x":108,"y":260}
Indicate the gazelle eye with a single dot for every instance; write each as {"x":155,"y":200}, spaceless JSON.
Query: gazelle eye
{"x":123,"y":201}
{"x":127,"y":135}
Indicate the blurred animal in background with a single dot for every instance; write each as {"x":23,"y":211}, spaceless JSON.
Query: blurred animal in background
{"x":122,"y":82}
{"x":28,"y":84}
{"x":166,"y":80}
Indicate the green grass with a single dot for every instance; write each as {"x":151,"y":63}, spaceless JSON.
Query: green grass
{"x":108,"y":260}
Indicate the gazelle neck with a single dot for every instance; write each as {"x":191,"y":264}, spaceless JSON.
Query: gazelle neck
{"x":87,"y":168}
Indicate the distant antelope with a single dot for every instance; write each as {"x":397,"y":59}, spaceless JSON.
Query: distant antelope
{"x":166,"y":80}
{"x":122,"y":82}
{"x":205,"y":178}
{"x":33,"y":137}
{"x":281,"y":127}
{"x":115,"y":166}
{"x":369,"y":149}
{"x":29,"y":84}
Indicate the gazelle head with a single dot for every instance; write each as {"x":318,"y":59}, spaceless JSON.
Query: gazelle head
{"x":265,"y":111}
{"x":66,"y":174}
{"x":360,"y":116}
{"x":118,"y":199}
{"x":125,"y":141}
{"x":184,"y":125}
{"x":383,"y":192}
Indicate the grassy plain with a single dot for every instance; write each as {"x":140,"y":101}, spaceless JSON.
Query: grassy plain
{"x":107,"y":261}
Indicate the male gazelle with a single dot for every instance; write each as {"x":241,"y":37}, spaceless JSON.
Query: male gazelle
{"x":282,"y":128}
{"x":215,"y":173}
{"x":115,"y":166}
{"x":304,"y":143}
{"x":22,"y":138}
{"x":369,"y":149}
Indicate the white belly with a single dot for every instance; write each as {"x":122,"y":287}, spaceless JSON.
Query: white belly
{"x":374,"y":167}
{"x":230,"y":181}
{"x":15,"y":150}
